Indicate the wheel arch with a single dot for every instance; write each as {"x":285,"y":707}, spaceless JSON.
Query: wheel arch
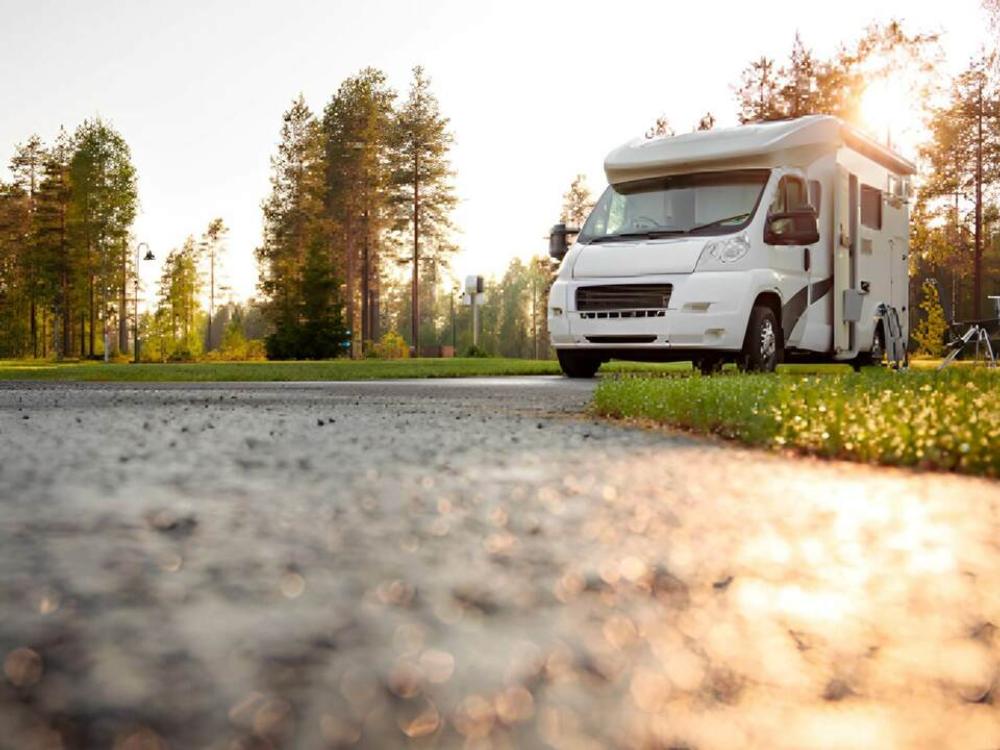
{"x":769,"y":298}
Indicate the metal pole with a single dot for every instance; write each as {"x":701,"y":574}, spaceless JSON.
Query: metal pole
{"x":135,"y":330}
{"x":475,"y":321}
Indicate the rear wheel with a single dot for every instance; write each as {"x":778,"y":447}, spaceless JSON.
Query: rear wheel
{"x":578,"y":364}
{"x":710,"y":364}
{"x":762,"y":347}
{"x":874,"y":357}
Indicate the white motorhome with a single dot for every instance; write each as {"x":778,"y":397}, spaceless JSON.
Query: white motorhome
{"x":744,"y":244}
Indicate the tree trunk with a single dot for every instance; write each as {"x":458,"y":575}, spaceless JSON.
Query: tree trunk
{"x":34,"y":329}
{"x":67,"y":317}
{"x":93,"y":317}
{"x":350,"y":291}
{"x":365,"y":284}
{"x":977,"y":263}
{"x":415,"y":292}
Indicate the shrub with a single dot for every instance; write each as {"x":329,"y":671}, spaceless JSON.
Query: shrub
{"x":930,"y":331}
{"x":475,"y":351}
{"x":391,"y":346}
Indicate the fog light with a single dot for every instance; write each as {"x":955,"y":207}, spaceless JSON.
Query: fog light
{"x":697,"y":306}
{"x":556,"y":312}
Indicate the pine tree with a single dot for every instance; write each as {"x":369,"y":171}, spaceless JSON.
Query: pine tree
{"x":26,"y":168}
{"x":212,"y":247}
{"x":964,"y":156}
{"x":423,"y":193}
{"x":759,"y":93}
{"x":104,"y":200}
{"x":798,"y":91}
{"x":295,"y":247}
{"x":15,"y":228}
{"x":52,"y":235}
{"x":356,"y":129}
{"x":577,"y":203}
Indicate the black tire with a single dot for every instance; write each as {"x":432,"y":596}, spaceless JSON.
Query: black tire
{"x":763,"y":346}
{"x":578,"y":364}
{"x":710,"y":364}
{"x":875,"y":357}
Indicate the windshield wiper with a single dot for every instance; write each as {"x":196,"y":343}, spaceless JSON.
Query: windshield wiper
{"x":648,"y":234}
{"x":719,"y":222}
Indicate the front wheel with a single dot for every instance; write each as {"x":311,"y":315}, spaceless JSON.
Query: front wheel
{"x":578,"y":364}
{"x":762,"y":348}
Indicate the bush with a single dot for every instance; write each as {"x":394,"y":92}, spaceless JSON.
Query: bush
{"x":475,"y":351}
{"x":930,"y":331}
{"x":391,"y":346}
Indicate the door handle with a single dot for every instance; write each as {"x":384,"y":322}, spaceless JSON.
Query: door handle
{"x":806,"y":260}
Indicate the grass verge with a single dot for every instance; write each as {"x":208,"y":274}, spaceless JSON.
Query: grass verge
{"x":947,"y":420}
{"x":339,"y":369}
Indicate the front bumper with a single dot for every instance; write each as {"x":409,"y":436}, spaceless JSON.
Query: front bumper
{"x":707,"y":311}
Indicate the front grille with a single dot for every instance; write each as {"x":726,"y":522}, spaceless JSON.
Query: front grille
{"x":621,"y":339}
{"x":648,"y":299}
{"x":624,"y":314}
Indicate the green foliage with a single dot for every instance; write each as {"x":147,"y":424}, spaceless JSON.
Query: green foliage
{"x":943,"y":420}
{"x":577,"y":203}
{"x":475,"y":351}
{"x":805,"y":85}
{"x":356,"y":133}
{"x":391,"y":346}
{"x":64,"y":231}
{"x":297,"y":276}
{"x":423,"y":193}
{"x":930,"y":331}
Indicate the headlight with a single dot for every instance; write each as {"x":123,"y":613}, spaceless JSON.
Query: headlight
{"x":729,"y":249}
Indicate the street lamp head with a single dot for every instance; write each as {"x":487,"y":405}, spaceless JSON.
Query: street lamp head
{"x":149,"y":255}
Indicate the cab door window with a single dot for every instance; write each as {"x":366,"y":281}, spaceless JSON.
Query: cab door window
{"x":791,"y":195}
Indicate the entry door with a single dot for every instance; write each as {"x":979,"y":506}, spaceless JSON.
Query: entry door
{"x":845,"y":226}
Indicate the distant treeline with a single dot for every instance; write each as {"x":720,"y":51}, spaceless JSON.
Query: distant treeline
{"x":357,"y":195}
{"x":64,"y":244}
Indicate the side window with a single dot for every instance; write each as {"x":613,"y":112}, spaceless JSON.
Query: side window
{"x":871,"y":207}
{"x":791,"y":195}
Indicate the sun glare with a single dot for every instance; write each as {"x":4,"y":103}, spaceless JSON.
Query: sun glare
{"x":885,"y":110}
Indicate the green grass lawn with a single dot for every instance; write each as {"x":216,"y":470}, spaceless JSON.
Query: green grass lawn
{"x":340,"y":369}
{"x":946,"y":420}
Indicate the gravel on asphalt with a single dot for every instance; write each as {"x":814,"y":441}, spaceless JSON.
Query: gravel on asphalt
{"x":471,"y":564}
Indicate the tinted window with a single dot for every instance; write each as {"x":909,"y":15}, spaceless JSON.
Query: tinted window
{"x":871,"y":207}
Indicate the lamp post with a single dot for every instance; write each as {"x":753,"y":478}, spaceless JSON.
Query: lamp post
{"x":135,"y":331}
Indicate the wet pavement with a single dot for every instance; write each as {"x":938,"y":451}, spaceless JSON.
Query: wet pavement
{"x":471,"y":564}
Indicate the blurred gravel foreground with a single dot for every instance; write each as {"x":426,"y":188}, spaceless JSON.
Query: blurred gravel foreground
{"x":471,"y":564}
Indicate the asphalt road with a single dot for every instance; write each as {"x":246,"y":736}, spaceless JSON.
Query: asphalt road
{"x":471,"y":563}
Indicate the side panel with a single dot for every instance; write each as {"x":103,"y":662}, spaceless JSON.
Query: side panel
{"x":842,"y":221}
{"x":897,"y":228}
{"x":818,"y":334}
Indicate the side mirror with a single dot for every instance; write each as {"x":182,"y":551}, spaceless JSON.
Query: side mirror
{"x":796,"y":227}
{"x":559,"y":240}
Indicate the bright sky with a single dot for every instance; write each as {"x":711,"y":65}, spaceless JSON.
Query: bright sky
{"x":536,"y":91}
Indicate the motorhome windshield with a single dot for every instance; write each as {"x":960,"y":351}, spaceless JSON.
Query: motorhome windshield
{"x":706,"y":203}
